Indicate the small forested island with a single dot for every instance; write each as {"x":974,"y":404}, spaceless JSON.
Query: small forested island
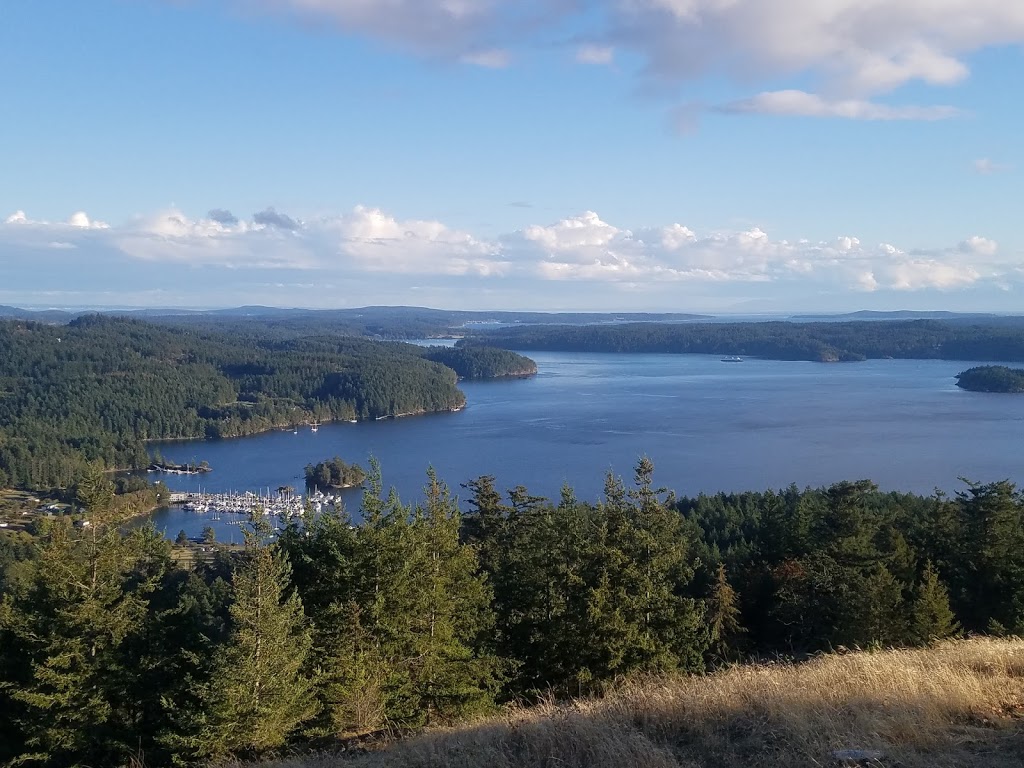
{"x":161,"y":465}
{"x":991,"y":378}
{"x":478,"y":361}
{"x":334,"y":473}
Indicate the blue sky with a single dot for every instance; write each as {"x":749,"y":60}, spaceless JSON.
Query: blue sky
{"x":751,"y":155}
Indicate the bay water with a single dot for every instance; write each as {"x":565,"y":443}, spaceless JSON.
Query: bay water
{"x":708,"y":425}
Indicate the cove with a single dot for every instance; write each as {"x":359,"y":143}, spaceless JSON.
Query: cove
{"x":708,"y":426}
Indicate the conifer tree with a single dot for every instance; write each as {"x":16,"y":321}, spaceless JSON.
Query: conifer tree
{"x":659,"y":548}
{"x":344,"y":662}
{"x":722,"y":619}
{"x":486,"y":524}
{"x":931,"y":617}
{"x":435,"y":607}
{"x":85,"y":601}
{"x":259,"y":694}
{"x":990,"y":564}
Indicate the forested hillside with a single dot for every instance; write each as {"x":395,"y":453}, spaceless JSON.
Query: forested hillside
{"x":481,"y":362}
{"x":991,"y":378}
{"x":825,"y":342}
{"x":97,"y":388}
{"x":424,"y":615}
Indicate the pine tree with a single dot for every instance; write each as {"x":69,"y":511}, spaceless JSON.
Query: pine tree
{"x":988,"y":573}
{"x":70,"y":625}
{"x":722,"y":619}
{"x":429,"y":618}
{"x":344,"y":662}
{"x":259,"y":694}
{"x":658,"y":547}
{"x":930,"y":615}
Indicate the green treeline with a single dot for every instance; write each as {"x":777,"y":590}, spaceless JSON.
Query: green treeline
{"x":825,"y":341}
{"x":991,"y":378}
{"x":481,"y":362}
{"x":423,"y":614}
{"x":98,"y":388}
{"x":334,"y":473}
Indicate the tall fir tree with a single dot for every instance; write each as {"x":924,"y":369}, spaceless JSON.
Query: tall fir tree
{"x":325,"y":554}
{"x":260,"y":693}
{"x":435,"y":607}
{"x":84,"y":603}
{"x":989,"y":570}
{"x":931,"y":618}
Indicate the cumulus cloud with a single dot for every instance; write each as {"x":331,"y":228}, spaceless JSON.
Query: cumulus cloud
{"x":371,"y":244}
{"x":981,"y":246}
{"x":586,"y":247}
{"x":222,"y":216}
{"x":271,"y":218}
{"x":803,"y":104}
{"x":81,"y":220}
{"x":379,"y":242}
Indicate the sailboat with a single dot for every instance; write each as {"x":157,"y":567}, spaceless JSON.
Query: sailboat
{"x":314,"y":426}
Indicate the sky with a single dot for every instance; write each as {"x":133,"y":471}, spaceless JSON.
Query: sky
{"x":731,"y":156}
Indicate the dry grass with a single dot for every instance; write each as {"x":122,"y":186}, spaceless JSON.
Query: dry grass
{"x":959,"y":704}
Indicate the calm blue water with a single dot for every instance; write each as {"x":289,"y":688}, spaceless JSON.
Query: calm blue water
{"x":707,"y":425}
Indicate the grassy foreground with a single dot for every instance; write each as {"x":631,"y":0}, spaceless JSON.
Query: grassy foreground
{"x":958,"y":704}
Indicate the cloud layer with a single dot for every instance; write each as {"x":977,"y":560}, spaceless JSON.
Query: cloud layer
{"x":850,"y":51}
{"x":582,"y":255}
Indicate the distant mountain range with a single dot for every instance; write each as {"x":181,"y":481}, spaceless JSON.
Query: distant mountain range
{"x":453,"y":318}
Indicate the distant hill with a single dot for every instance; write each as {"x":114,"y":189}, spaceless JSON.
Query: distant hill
{"x":901,"y":314}
{"x":374,"y":322}
{"x":39,"y":315}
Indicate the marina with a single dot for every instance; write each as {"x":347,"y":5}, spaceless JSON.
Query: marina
{"x":283,"y":503}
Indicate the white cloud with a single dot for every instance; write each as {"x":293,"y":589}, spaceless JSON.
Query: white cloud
{"x":375,"y":246}
{"x":494,"y":58}
{"x":595,"y":54}
{"x":378,"y":242}
{"x":81,"y":220}
{"x":18,"y":217}
{"x":986,"y":166}
{"x":982,"y":246}
{"x":848,"y":50}
{"x":854,"y":46}
{"x":580,"y":232}
{"x":803,"y":104}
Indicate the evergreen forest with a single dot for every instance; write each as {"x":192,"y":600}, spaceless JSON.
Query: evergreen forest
{"x":100,"y":387}
{"x":991,"y":378}
{"x":424,"y":614}
{"x":814,"y":341}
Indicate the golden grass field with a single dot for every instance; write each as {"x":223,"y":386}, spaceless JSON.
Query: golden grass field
{"x":958,"y":704}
